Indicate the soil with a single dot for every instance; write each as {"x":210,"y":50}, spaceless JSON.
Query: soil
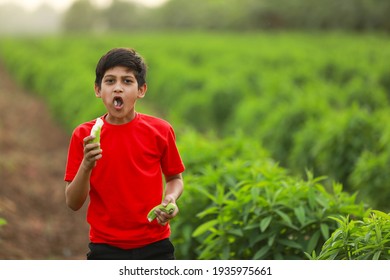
{"x":33,"y":149}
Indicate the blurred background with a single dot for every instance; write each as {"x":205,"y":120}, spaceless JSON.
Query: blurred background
{"x":52,"y":17}
{"x":261,"y":93}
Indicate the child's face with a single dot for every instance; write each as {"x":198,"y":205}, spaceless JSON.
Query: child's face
{"x":119,"y":92}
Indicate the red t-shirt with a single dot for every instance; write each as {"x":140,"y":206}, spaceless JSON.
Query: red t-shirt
{"x":127,"y":181}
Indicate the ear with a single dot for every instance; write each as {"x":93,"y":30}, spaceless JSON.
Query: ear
{"x":142,"y":91}
{"x":97,"y":91}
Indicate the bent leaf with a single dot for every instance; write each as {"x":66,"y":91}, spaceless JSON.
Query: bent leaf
{"x":204,"y":228}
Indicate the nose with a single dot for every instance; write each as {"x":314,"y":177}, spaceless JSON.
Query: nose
{"x":118,"y":87}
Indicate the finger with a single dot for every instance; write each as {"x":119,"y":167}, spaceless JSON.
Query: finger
{"x":94,"y":153}
{"x":162,"y":218}
{"x":93,"y":148}
{"x":89,"y":138}
{"x":163,"y":223}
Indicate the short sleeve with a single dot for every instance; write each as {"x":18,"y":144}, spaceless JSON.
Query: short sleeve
{"x":75,"y":156}
{"x":171,"y":162}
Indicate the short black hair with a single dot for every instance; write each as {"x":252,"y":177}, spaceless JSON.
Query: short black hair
{"x":126,"y":57}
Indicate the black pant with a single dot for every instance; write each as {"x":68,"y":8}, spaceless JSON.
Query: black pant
{"x":161,"y":250}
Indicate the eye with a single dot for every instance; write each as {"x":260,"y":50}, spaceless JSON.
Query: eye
{"x":128,"y":81}
{"x":109,"y":81}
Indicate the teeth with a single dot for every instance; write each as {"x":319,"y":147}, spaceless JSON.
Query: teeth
{"x":118,"y":101}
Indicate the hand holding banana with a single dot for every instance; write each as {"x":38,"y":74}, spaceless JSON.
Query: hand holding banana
{"x":163,"y":213}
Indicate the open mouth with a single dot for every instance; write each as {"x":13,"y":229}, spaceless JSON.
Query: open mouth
{"x":118,"y":102}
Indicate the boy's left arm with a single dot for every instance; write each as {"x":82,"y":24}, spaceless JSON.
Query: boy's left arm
{"x":173,"y":190}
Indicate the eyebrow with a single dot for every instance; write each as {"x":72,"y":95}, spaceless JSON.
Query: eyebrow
{"x":114,"y":76}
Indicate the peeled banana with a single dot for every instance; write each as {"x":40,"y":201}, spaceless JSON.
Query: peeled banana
{"x":169,"y":209}
{"x":96,"y":129}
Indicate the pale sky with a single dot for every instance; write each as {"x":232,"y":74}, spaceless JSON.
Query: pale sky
{"x":64,"y":4}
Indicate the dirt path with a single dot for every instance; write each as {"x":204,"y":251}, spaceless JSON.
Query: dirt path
{"x":32,"y":160}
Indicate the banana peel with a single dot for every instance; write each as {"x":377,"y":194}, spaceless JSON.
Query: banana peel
{"x":169,"y":209}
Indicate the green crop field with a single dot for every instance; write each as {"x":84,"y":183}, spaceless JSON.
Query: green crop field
{"x":254,"y":113}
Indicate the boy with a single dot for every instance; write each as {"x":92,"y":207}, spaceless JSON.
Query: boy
{"x":123,"y":174}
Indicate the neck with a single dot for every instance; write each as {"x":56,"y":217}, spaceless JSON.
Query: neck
{"x":111,"y":119}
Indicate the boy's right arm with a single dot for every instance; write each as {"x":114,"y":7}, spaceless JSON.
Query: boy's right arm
{"x":76,"y":191}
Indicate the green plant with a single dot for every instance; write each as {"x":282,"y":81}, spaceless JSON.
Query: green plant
{"x":289,"y":118}
{"x":334,"y":144}
{"x":257,"y":211}
{"x":370,"y":176}
{"x":366,"y":239}
{"x":371,"y":179}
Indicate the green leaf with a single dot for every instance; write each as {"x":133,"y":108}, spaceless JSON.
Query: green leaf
{"x":284,"y":216}
{"x":208,"y":211}
{"x":377,"y":255}
{"x":225,"y":252}
{"x":330,"y":255}
{"x":255,"y":192}
{"x":220,"y":196}
{"x":340,"y":221}
{"x":324,"y":230}
{"x":275,"y":196}
{"x":300,"y":214}
{"x":322,"y":201}
{"x":265,"y":223}
{"x":271,"y":240}
{"x":237,"y":232}
{"x":257,"y":238}
{"x":381,"y":214}
{"x":207,"y":194}
{"x":337,"y":188}
{"x":310,"y":257}
{"x":312,"y":244}
{"x":311,"y":196}
{"x":290,"y":243}
{"x":250,"y":226}
{"x":261,"y":253}
{"x":204,"y":227}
